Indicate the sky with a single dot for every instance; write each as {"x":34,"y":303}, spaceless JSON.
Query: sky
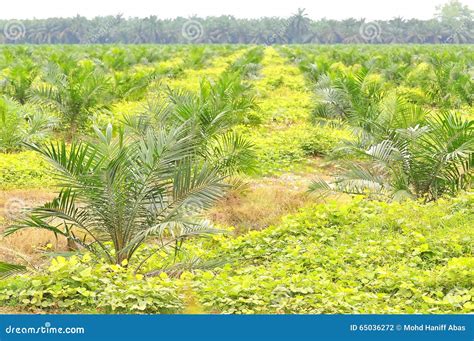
{"x":316,"y":9}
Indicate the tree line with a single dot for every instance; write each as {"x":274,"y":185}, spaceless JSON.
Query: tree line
{"x":452,"y":24}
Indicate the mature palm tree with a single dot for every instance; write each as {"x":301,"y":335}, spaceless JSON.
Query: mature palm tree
{"x":435,"y":32}
{"x":416,"y":31}
{"x":459,"y":33}
{"x":395,"y":31}
{"x":350,"y":31}
{"x":49,"y":32}
{"x":328,"y":32}
{"x":297,"y":27}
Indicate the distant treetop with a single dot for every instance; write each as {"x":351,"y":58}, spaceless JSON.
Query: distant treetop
{"x":453,"y":24}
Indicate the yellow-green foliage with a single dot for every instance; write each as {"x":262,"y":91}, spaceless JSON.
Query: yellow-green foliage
{"x":191,"y":77}
{"x":118,"y":112}
{"x":285,"y":141}
{"x":78,"y":284}
{"x":282,"y":90}
{"x":361,"y":257}
{"x":283,"y":149}
{"x":414,"y":95}
{"x":24,"y":170}
{"x":422,"y":72}
{"x":167,"y":66}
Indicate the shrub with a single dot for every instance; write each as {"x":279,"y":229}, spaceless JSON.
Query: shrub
{"x":77,"y":284}
{"x":361,"y":257}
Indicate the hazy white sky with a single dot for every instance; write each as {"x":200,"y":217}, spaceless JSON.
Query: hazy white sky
{"x":332,"y":9}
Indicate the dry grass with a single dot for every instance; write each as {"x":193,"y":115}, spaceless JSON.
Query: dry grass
{"x":266,"y":200}
{"x":263,"y":203}
{"x":27,"y":244}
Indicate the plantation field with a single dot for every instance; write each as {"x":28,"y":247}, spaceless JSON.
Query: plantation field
{"x":237,"y":179}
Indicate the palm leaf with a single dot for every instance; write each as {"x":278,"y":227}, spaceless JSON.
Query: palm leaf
{"x":7,"y":269}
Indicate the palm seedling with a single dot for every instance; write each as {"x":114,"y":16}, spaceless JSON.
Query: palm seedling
{"x":214,"y":111}
{"x":449,"y":84}
{"x":248,"y":65}
{"x":196,"y":58}
{"x":128,"y":85}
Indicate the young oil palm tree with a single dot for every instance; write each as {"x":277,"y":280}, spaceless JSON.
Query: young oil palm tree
{"x":422,"y":161}
{"x":18,"y":78}
{"x":212,"y":112}
{"x":119,"y":192}
{"x":450,"y":84}
{"x":248,"y":64}
{"x":131,"y":85}
{"x":352,"y":97}
{"x":75,"y":91}
{"x":218,"y":105}
{"x":21,"y":124}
